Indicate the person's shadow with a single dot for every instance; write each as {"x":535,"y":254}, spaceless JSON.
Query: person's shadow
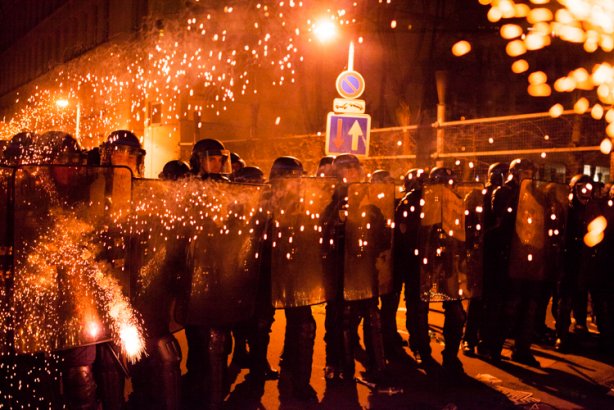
{"x":583,"y":390}
{"x":340,"y":395}
{"x":246,"y":395}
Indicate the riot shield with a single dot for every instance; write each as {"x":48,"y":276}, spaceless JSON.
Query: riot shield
{"x":298,"y":275}
{"x":6,"y":253}
{"x":450,"y":241}
{"x":368,"y":241}
{"x":157,"y":250}
{"x":65,"y":292}
{"x":224,"y":252}
{"x":473,"y":201}
{"x":539,"y":225}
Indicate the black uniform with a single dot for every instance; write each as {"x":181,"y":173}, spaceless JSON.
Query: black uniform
{"x":407,"y":270}
{"x":521,"y":297}
{"x":579,"y":272}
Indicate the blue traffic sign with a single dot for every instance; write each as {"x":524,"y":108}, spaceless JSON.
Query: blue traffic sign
{"x":348,"y":134}
{"x":350,"y":84}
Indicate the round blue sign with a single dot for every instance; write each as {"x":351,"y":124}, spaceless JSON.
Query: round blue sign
{"x":350,"y":84}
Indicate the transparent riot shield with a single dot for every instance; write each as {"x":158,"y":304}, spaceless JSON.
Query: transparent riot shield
{"x":67,"y":290}
{"x":368,"y":241}
{"x":539,"y":225}
{"x":473,"y":201}
{"x":158,"y":246}
{"x":224,"y":252}
{"x":6,"y":253}
{"x":450,"y":240}
{"x":298,"y":274}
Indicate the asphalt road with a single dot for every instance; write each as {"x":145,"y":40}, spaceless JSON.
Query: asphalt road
{"x":583,"y":380}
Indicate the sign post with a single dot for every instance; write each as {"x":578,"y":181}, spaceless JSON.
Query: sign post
{"x":348,"y":128}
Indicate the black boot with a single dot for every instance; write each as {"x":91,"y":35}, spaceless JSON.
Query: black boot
{"x":110,"y":377}
{"x":156,"y":380}
{"x":217,"y":377}
{"x":302,"y":387}
{"x":80,"y":388}
{"x":259,"y":344}
{"x":374,"y":342}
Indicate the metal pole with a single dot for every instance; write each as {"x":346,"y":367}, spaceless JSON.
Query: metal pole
{"x":516,"y":152}
{"x":441,"y":80}
{"x":78,"y":123}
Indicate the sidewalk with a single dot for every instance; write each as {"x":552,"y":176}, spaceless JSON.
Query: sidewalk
{"x":568,"y":381}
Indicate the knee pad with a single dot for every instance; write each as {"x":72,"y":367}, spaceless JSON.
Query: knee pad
{"x":167,"y":350}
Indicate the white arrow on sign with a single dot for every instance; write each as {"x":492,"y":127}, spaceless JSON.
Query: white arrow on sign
{"x":355,"y":132}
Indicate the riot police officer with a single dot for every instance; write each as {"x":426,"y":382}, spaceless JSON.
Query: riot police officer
{"x":156,"y":379}
{"x":255,"y":331}
{"x":45,"y":185}
{"x":407,"y":264}
{"x":174,"y":170}
{"x":479,"y":307}
{"x":325,"y":166}
{"x":208,"y":345}
{"x":249,"y":175}
{"x":210,"y":160}
{"x":580,"y":262}
{"x":393,"y":342}
{"x":124,"y":148}
{"x":341,"y":314}
{"x":454,"y":313}
{"x":237,"y":163}
{"x":603,"y":284}
{"x":521,"y":296}
{"x":297,"y":355}
{"x":20,"y":149}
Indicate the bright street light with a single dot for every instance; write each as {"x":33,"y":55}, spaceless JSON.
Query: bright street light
{"x":62,"y":103}
{"x":325,"y":30}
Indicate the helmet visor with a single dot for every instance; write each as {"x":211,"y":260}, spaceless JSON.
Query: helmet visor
{"x":131,"y":157}
{"x":215,"y":162}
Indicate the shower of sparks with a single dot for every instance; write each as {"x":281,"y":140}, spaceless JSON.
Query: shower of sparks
{"x":589,"y":23}
{"x":63,"y":295}
{"x":57,"y":267}
{"x":201,"y":59}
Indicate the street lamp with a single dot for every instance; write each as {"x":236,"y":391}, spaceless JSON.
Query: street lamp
{"x":63,"y":103}
{"x":324,"y":30}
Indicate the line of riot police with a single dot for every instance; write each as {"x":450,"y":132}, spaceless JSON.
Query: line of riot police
{"x":213,"y":249}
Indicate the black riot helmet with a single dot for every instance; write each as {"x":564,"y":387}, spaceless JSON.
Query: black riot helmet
{"x":236,"y":162}
{"x":581,"y":187}
{"x":497,"y":172}
{"x":381,"y":176}
{"x":20,"y":149}
{"x":325,"y":166}
{"x":286,"y":167}
{"x":249,"y":175}
{"x":347,"y":167}
{"x":174,"y":170}
{"x":442,"y":175}
{"x":210,"y":150}
{"x":414,"y":179}
{"x":521,"y":168}
{"x":93,"y":157}
{"x":58,"y":147}
{"x":123,"y":148}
